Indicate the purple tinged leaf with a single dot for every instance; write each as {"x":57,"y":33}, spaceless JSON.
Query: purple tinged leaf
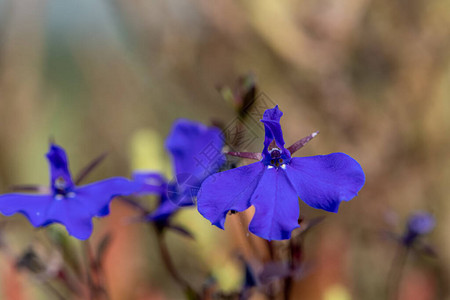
{"x":181,"y":230}
{"x":88,"y":169}
{"x":250,"y":155}
{"x":301,"y":143}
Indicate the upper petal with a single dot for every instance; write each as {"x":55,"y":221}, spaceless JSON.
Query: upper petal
{"x":59,"y":168}
{"x":196,"y":152}
{"x":229,"y":190}
{"x":323,"y":181}
{"x":272,"y":127}
{"x":195,"y":148}
{"x":272,"y":114}
{"x":276,"y":206}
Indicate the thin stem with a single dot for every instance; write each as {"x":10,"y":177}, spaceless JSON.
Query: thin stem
{"x":165,"y":255}
{"x":271,"y":287}
{"x":91,"y":166}
{"x":95,"y":276}
{"x":395,"y":273}
{"x":53,"y":290}
{"x":287,"y":287}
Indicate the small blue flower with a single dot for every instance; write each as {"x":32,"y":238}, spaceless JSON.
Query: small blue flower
{"x":196,"y":152}
{"x":67,"y":204}
{"x":152,"y":183}
{"x":419,"y":223}
{"x":273,"y":184}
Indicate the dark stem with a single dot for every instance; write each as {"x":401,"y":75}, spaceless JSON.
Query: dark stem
{"x":96,"y":279}
{"x":27,"y":188}
{"x":271,"y":287}
{"x":53,"y":290}
{"x":287,"y":287}
{"x":165,"y":255}
{"x":135,"y":204}
{"x":91,"y":166}
{"x":395,"y":273}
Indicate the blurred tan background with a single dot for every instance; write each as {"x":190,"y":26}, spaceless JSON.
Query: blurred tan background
{"x":372,"y":76}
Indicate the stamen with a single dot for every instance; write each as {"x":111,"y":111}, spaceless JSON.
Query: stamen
{"x":60,"y":183}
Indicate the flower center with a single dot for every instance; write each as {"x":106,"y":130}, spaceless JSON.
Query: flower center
{"x":277,"y":159}
{"x":62,"y":189}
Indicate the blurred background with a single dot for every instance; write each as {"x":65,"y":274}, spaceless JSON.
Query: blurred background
{"x":112,"y":75}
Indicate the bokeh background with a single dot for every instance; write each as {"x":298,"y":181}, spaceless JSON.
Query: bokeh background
{"x":112,"y":75}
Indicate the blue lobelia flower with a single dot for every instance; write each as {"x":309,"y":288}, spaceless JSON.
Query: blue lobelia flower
{"x":419,"y":223}
{"x":273,"y":184}
{"x":153,"y":183}
{"x":67,"y":204}
{"x":196,"y":152}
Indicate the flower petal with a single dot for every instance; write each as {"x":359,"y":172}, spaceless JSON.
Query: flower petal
{"x":195,"y":148}
{"x":196,"y":153}
{"x":276,"y":206}
{"x":43,"y":210}
{"x":229,"y":190}
{"x":272,"y":127}
{"x":324,"y":181}
{"x":72,"y":213}
{"x":33,"y":207}
{"x":97,"y":196}
{"x":59,"y":167}
{"x":421,"y":222}
{"x":149,"y":182}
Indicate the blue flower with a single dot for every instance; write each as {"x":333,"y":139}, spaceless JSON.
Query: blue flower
{"x":418,"y":224}
{"x":196,"y":152}
{"x":153,"y":183}
{"x":67,"y":204}
{"x":273,"y":184}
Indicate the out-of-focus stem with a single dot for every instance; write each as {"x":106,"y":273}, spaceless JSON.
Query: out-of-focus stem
{"x":165,"y":255}
{"x":95,"y":276}
{"x":395,"y":273}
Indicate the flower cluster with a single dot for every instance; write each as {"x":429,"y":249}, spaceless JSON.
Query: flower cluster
{"x":196,"y":152}
{"x":272,"y":185}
